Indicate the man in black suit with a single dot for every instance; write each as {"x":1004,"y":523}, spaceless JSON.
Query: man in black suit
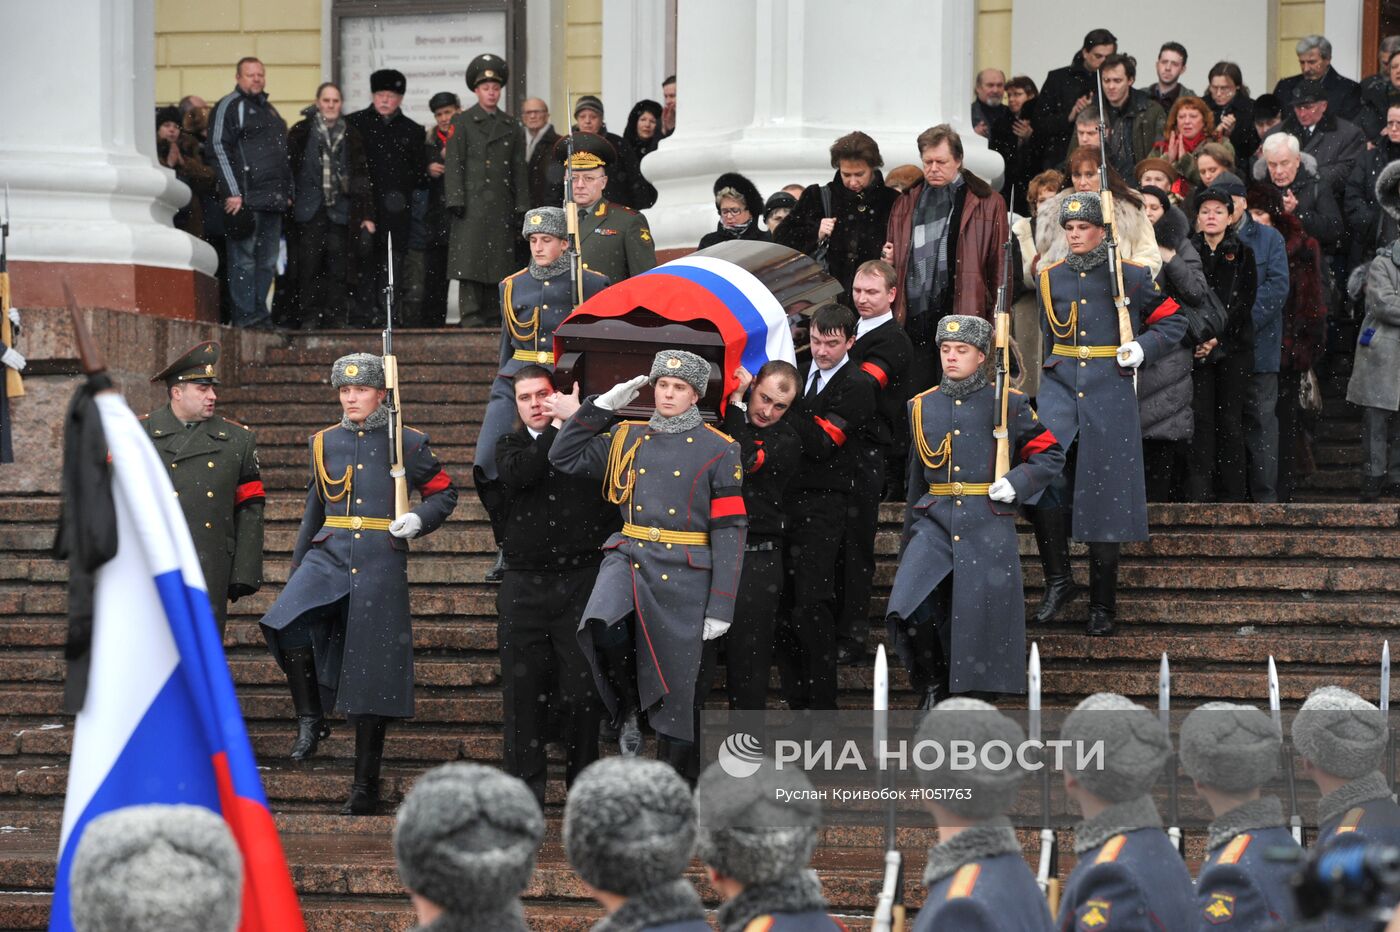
{"x":837,"y":404}
{"x":540,"y":137}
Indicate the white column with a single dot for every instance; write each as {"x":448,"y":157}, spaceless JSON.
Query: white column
{"x":640,"y":26}
{"x":78,"y":142}
{"x":765,"y":86}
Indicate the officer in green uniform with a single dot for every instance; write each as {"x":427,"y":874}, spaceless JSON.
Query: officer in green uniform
{"x":615,"y":240}
{"x":213,"y":465}
{"x":486,"y":188}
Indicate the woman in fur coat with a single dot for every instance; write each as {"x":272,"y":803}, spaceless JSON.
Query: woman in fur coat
{"x":1136,"y":241}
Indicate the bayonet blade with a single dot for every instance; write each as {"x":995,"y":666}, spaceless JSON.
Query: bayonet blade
{"x":882,"y":680}
{"x":1164,"y":691}
{"x":1385,"y":677}
{"x":1033,"y":691}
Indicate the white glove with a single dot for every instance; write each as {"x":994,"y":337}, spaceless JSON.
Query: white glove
{"x":14,"y":316}
{"x":13,"y":359}
{"x":410,"y":525}
{"x":714,"y":628}
{"x":623,"y":393}
{"x":1002,"y":491}
{"x":1130,"y":355}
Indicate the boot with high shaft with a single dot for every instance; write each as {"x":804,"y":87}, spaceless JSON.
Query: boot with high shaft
{"x":369,"y":754}
{"x":1103,"y":588}
{"x":1052,"y":538}
{"x":306,"y":697}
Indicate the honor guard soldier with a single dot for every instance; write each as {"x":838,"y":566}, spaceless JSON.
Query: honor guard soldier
{"x":975,"y":876}
{"x":556,"y":526}
{"x":341,"y":628}
{"x":486,"y":188}
{"x":1230,"y":751}
{"x":1128,"y":874}
{"x":1088,"y":399}
{"x":615,"y":240}
{"x":214,"y":467}
{"x":673,"y":571}
{"x":756,"y":837}
{"x":772,"y":454}
{"x":534,"y":301}
{"x":957,"y":611}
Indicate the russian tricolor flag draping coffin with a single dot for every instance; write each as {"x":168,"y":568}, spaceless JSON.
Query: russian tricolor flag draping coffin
{"x":161,"y":723}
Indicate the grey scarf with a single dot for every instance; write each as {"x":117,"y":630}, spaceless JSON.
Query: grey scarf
{"x":961,"y":388}
{"x":329,"y":139}
{"x":928,"y":247}
{"x":557,"y":267}
{"x":1265,"y":812}
{"x":796,"y":893}
{"x":379,"y":418}
{"x":1089,"y":260}
{"x":987,"y":840}
{"x":672,"y":902}
{"x":1116,"y":819}
{"x":1361,"y":790}
{"x":688,"y":420}
{"x":507,"y":918}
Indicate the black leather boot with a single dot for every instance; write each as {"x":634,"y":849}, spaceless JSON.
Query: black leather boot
{"x":306,"y":696}
{"x":683,"y":756}
{"x":497,"y":572}
{"x":1052,"y":538}
{"x":1371,"y":489}
{"x":369,"y":753}
{"x":1103,"y":588}
{"x":614,"y":649}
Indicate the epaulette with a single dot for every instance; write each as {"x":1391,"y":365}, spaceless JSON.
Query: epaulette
{"x":519,"y":273}
{"x":1235,"y":849}
{"x":1015,"y":391}
{"x":625,"y":209}
{"x":230,"y":420}
{"x":760,"y":924}
{"x":1047,"y":268}
{"x":927,"y":391}
{"x":964,"y":881}
{"x":143,"y":417}
{"x":722,"y":434}
{"x":1351,"y":820}
{"x":325,"y":430}
{"x":1111,"y":849}
{"x":413,"y":430}
{"x":1141,"y":265}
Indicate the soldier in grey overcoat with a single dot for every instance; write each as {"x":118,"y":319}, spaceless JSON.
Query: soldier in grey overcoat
{"x":213,"y":465}
{"x":673,"y":570}
{"x":342,"y":623}
{"x":534,"y":301}
{"x":957,"y":609}
{"x":1088,"y":399}
{"x":486,"y":189}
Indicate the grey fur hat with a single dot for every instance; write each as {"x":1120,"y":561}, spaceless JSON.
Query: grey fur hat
{"x":358,"y":369}
{"x":1340,"y":732}
{"x":746,"y":832}
{"x":1388,"y":189}
{"x":466,"y":837}
{"x":1135,"y":745}
{"x":678,"y":364}
{"x":1083,"y":205}
{"x":157,"y":867}
{"x":964,"y":328}
{"x":1232,"y":747}
{"x":992,"y":792}
{"x":629,"y":825}
{"x":549,"y":220}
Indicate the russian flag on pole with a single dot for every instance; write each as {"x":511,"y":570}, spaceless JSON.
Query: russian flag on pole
{"x":161,"y":723}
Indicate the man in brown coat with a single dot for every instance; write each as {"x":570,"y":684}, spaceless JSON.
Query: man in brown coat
{"x":945,"y":242}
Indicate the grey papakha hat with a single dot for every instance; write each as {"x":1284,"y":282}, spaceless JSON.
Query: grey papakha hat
{"x":991,"y":792}
{"x":1135,"y":745}
{"x":629,"y":825}
{"x":549,"y":220}
{"x":1340,"y":732}
{"x":964,"y":328}
{"x":1082,"y":205}
{"x":157,"y":867}
{"x":358,"y":369}
{"x":466,"y":837}
{"x":750,"y":832}
{"x":1231,"y":747}
{"x":678,"y":364}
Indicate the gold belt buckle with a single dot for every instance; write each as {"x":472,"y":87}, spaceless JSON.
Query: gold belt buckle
{"x":357,"y":522}
{"x":653,"y":533}
{"x":542,"y":356}
{"x":1083,"y":352}
{"x":957,"y":488}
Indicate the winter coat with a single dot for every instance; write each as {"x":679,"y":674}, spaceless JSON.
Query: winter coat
{"x":356,"y":168}
{"x":1061,"y":89}
{"x":1271,"y":264}
{"x":1023,"y":159}
{"x":1375,"y":376}
{"x":248,"y":149}
{"x":1305,"y":311}
{"x":1145,"y":120}
{"x":721,"y":234}
{"x":485,"y":178}
{"x":1343,"y":94}
{"x":1025,"y":312}
{"x":1377,"y":96}
{"x":1182,"y":278}
{"x":200,"y":178}
{"x":1136,"y":241}
{"x":1370,"y":226}
{"x":1336,"y":144}
{"x":1243,"y":137}
{"x":1165,"y":388}
{"x":1233,"y":275}
{"x":976,"y":237}
{"x":859,"y":234}
{"x":397,"y":163}
{"x":1317,"y":204}
{"x":545,"y":173}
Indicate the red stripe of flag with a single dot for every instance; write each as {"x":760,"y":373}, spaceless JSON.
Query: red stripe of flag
{"x":269,"y":898}
{"x":875,"y":372}
{"x":1038,"y":444}
{"x":438,"y":483}
{"x":837,"y":435}
{"x":247,"y":491}
{"x":727,"y":507}
{"x":1166,"y":309}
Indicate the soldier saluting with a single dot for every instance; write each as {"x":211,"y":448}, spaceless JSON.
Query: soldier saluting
{"x":213,"y":465}
{"x":673,"y":570}
{"x":341,"y":627}
{"x":1087,"y":399}
{"x":957,"y":610}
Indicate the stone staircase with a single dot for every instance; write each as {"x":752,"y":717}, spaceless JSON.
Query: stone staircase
{"x":1219,"y":587}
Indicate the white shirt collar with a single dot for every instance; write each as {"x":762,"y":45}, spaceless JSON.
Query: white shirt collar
{"x":534,"y":434}
{"x":826,"y":374}
{"x":865,"y":325}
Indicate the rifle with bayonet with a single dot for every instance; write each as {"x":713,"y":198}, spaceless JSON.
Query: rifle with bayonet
{"x":9,"y":329}
{"x":1002,"y":347}
{"x":571,"y":219}
{"x":1164,"y":714}
{"x":1048,"y":869}
{"x":1390,"y":732}
{"x":1295,"y":821}
{"x":1115,"y":263}
{"x":392,"y":401}
{"x":889,"y":909}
